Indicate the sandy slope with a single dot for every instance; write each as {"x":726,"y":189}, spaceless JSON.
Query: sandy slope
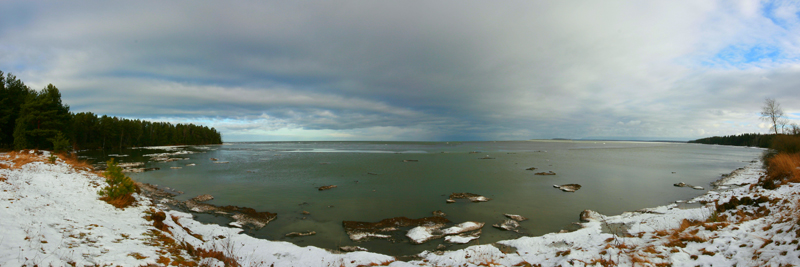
{"x":50,"y":215}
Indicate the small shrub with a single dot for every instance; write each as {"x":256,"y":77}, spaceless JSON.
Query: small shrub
{"x":52,"y":159}
{"x":120,"y":187}
{"x":60,"y":143}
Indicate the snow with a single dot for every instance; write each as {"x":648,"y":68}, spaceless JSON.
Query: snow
{"x":51,"y":215}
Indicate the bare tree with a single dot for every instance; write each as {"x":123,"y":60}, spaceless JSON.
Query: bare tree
{"x":794,"y":129}
{"x":772,"y":113}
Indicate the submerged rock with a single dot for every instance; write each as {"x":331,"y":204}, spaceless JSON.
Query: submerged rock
{"x":202,"y":198}
{"x":508,"y":225}
{"x":531,"y":169}
{"x":410,"y":160}
{"x":296,"y":234}
{"x":130,"y":164}
{"x":326,"y":187}
{"x":134,"y":170}
{"x":515,"y":217}
{"x":439,"y":213}
{"x":175,"y":168}
{"x":306,"y":213}
{"x":545,"y":173}
{"x":682,"y":184}
{"x":222,"y":162}
{"x":154,"y":192}
{"x":568,"y":187}
{"x":191,"y":164}
{"x":359,"y":231}
{"x":242,"y":215}
{"x":352,"y":248}
{"x":486,"y":157}
{"x":214,"y":159}
{"x":472,"y":197}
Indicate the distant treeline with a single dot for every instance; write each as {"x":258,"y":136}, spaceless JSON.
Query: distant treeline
{"x":749,"y":139}
{"x":31,"y":119}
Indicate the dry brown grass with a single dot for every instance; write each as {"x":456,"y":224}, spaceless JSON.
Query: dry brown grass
{"x":639,"y":260}
{"x":76,"y":163}
{"x":385,"y":263}
{"x":120,"y":202}
{"x":781,"y":169}
{"x":19,"y":159}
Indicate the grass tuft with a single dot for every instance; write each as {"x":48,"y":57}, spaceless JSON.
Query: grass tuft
{"x":20,"y":158}
{"x":781,"y":169}
{"x":76,"y":163}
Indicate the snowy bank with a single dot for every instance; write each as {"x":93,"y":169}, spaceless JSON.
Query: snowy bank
{"x":52,"y":216}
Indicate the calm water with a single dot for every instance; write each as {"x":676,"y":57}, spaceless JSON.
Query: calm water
{"x":278,"y":177}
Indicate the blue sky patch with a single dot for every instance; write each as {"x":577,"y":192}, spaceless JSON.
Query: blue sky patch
{"x":741,"y":55}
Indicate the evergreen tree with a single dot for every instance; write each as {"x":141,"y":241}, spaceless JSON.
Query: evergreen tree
{"x":42,"y":117}
{"x":30,"y":119}
{"x":13,"y":94}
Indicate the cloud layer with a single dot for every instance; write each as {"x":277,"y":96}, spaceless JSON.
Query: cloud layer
{"x":416,"y":70}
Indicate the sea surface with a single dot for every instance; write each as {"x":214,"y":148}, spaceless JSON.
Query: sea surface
{"x":376,"y":180}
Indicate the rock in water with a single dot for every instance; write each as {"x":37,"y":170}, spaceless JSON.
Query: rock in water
{"x":352,"y":248}
{"x":326,"y":187}
{"x":439,"y":213}
{"x":360,"y":231}
{"x":463,"y":238}
{"x":424,"y":233}
{"x":531,"y":169}
{"x":682,"y":184}
{"x":202,"y":198}
{"x":295,"y":234}
{"x":450,"y":200}
{"x":545,"y":173}
{"x":515,"y":217}
{"x":463,"y":227}
{"x":568,"y":187}
{"x":472,"y":197}
{"x":508,"y":225}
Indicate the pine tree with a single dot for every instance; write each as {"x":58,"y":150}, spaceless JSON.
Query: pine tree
{"x":13,"y":94}
{"x":42,"y":117}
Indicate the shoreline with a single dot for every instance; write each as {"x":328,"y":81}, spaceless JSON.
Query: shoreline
{"x":598,"y":233}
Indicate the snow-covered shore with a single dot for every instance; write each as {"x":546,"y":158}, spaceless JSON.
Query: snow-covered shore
{"x":50,"y":215}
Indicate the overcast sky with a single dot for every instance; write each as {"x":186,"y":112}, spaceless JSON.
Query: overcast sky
{"x":416,"y":70}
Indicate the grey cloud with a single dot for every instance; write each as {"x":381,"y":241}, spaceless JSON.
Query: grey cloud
{"x":469,"y":70}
